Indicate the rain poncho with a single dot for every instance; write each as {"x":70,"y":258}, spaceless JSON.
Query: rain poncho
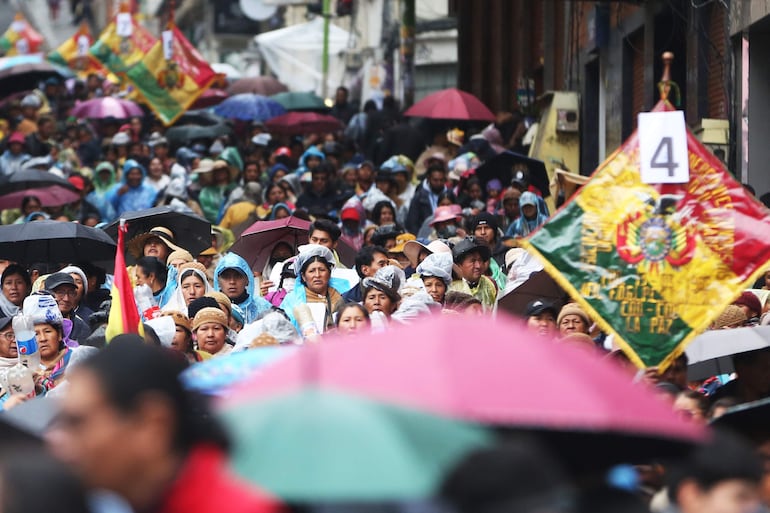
{"x":522,"y":226}
{"x":310,"y":152}
{"x":253,"y":306}
{"x":98,"y":197}
{"x":485,"y":290}
{"x":413,"y":307}
{"x":274,"y":324}
{"x":438,"y":265}
{"x":136,"y":198}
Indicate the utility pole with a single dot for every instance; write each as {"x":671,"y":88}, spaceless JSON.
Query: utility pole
{"x":327,"y":14}
{"x":407,"y":51}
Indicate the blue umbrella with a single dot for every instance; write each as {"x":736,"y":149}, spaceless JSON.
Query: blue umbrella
{"x":214,"y":376}
{"x":249,"y":107}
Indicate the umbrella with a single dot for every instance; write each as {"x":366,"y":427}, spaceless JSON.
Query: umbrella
{"x":249,"y":107}
{"x":300,"y":101}
{"x":540,"y":285}
{"x":50,"y":189}
{"x":198,"y":124}
{"x":54,"y":241}
{"x":751,"y":420}
{"x":710,"y":353}
{"x":25,"y":72}
{"x":209,"y":98}
{"x":106,"y":107}
{"x":228,"y":70}
{"x":451,"y":104}
{"x":214,"y":376}
{"x":315,"y":445}
{"x":256,"y":243}
{"x":257,"y":85}
{"x":191,"y":231}
{"x":503,"y":166}
{"x":495,"y":372}
{"x":293,"y":123}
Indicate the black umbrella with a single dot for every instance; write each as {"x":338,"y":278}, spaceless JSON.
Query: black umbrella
{"x":540,"y":285}
{"x":191,"y":231}
{"x":50,"y":189}
{"x":197,"y":125}
{"x":24,"y":72}
{"x":751,"y":420}
{"x":56,"y":242}
{"x":504,"y":166}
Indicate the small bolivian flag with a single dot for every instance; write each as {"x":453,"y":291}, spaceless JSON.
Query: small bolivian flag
{"x":74,"y":53}
{"x":655,"y":264}
{"x":171,"y":76}
{"x":124,"y":315}
{"x":20,"y":38}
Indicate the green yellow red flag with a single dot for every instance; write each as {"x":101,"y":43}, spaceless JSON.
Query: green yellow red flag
{"x":655,"y":264}
{"x":171,"y":76}
{"x":74,"y":53}
{"x":124,"y":315}
{"x":20,"y":38}
{"x":123,"y":44}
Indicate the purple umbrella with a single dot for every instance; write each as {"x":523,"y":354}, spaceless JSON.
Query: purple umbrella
{"x":106,"y":107}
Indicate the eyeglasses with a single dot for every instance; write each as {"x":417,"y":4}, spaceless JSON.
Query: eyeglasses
{"x":63,"y":293}
{"x":9,"y":336}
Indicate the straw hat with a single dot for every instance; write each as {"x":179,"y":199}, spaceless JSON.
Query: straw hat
{"x":136,"y":245}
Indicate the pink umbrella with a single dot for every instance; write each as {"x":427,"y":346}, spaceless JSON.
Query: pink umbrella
{"x":256,"y":243}
{"x":451,"y":104}
{"x":209,"y":98}
{"x":293,"y":123}
{"x":106,"y":107}
{"x":492,"y":372}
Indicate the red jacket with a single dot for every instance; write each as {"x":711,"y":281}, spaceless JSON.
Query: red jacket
{"x":205,"y":485}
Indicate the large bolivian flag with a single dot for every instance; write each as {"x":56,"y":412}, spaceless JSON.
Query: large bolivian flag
{"x":20,"y":38}
{"x":74,"y":53}
{"x":124,"y":315}
{"x":655,"y":264}
{"x":171,"y":76}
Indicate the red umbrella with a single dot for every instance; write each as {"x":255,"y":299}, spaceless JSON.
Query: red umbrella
{"x":266,"y":86}
{"x":256,"y":243}
{"x":293,"y":123}
{"x":106,"y":107}
{"x":50,"y":189}
{"x":209,"y":98}
{"x":451,"y":104}
{"x":493,"y":372}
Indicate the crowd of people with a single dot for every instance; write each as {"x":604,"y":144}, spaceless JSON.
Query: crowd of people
{"x":400,"y":228}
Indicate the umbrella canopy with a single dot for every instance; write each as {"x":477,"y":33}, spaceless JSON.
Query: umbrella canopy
{"x":198,"y":124}
{"x":300,"y":101}
{"x":503,"y":166}
{"x":751,"y":420}
{"x":451,"y":104}
{"x":256,"y":243}
{"x":249,"y":107}
{"x":710,"y":353}
{"x":191,"y":231}
{"x":54,"y":241}
{"x":316,"y":445}
{"x":214,"y":376}
{"x":50,"y":189}
{"x":300,"y":123}
{"x":25,"y":72}
{"x":540,"y":285}
{"x":265,"y":86}
{"x":106,"y":107}
{"x":209,"y":98}
{"x":487,"y":371}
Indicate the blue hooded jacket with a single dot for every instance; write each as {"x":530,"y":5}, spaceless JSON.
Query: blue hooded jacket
{"x":136,"y":198}
{"x":254,"y":305}
{"x":310,"y":152}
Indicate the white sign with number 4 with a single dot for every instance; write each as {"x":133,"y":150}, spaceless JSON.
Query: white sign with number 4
{"x":663,"y":154}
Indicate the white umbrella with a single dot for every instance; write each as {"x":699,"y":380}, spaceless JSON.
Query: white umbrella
{"x":711,"y":353}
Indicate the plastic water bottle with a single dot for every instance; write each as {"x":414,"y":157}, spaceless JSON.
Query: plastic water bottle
{"x":306,"y":323}
{"x":26,"y":341}
{"x":378,"y":321}
{"x":20,"y":380}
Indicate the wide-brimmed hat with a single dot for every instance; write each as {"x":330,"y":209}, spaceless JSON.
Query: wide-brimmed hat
{"x":204,"y":166}
{"x":401,"y":242}
{"x":387,"y":280}
{"x":136,"y":245}
{"x":412,"y":249}
{"x":469,"y":245}
{"x":223,"y":164}
{"x":444,"y":213}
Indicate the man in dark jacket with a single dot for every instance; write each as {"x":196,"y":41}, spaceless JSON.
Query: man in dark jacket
{"x":368,"y":261}
{"x":322,"y":197}
{"x":426,"y":196}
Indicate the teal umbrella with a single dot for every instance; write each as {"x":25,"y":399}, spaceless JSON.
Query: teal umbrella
{"x":300,"y":101}
{"x":316,"y":445}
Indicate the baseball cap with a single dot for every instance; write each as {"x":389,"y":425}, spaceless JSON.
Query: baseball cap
{"x":58,"y":279}
{"x":539,"y":306}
